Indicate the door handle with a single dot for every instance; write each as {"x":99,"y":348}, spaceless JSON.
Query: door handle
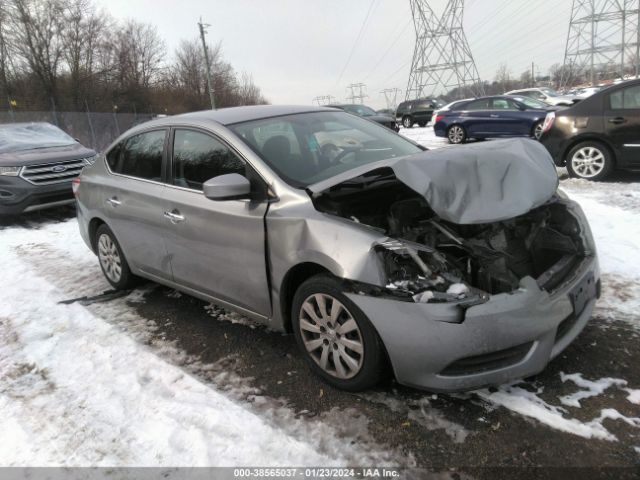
{"x":114,"y":202}
{"x":493,"y":115}
{"x":174,"y":216}
{"x":618,"y":120}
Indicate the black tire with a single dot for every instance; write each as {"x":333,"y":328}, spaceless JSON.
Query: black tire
{"x":456,"y":134}
{"x":422,"y":124}
{"x":602,"y":161}
{"x":125,"y":280}
{"x":536,"y":130}
{"x":372,"y":366}
{"x":407,"y":121}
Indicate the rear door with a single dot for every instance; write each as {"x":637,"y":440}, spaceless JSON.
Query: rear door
{"x":476,"y":117}
{"x":622,"y":123}
{"x":216,"y":247}
{"x":133,"y":196}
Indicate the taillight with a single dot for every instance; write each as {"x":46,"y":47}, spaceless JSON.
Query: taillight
{"x":438,"y":118}
{"x":548,"y":121}
{"x":75,"y":184}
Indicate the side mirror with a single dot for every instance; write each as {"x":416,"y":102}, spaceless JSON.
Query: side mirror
{"x":231,"y":186}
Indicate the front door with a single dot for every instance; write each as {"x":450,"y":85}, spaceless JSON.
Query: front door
{"x":216,"y":247}
{"x":622,"y":123}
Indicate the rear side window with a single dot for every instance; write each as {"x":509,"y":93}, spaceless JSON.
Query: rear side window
{"x":503,"y":104}
{"x":198,"y":157}
{"x":627,"y":98}
{"x":478,"y":105}
{"x":139,"y":156}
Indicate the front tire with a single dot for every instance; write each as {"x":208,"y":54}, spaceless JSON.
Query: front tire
{"x":456,"y":134}
{"x":112,"y":261}
{"x":590,"y":160}
{"x":335,"y":336}
{"x":407,"y":121}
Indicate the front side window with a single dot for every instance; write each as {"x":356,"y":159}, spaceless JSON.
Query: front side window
{"x":320,"y":144}
{"x":359,"y":110}
{"x":198,"y":157}
{"x":625,"y":99}
{"x":139,"y":156}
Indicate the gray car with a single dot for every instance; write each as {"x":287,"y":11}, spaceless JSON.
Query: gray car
{"x":459,"y":268}
{"x":38,"y":161}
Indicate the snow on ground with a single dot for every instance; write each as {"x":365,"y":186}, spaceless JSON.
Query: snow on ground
{"x":612,"y":210}
{"x":77,"y":390}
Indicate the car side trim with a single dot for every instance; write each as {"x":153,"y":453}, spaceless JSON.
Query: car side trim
{"x":632,"y":145}
{"x":40,"y":206}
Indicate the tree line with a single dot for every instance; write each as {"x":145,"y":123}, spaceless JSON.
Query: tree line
{"x":71,"y":55}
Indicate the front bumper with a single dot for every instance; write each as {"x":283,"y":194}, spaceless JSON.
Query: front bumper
{"x":18,"y":196}
{"x":511,"y":336}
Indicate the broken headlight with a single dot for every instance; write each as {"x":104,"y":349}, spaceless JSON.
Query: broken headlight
{"x":424,"y":274}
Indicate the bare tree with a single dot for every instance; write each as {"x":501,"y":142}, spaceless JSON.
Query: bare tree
{"x":140,"y":54}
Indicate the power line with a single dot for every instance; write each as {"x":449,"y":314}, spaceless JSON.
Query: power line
{"x":360,"y":95}
{"x":355,"y":44}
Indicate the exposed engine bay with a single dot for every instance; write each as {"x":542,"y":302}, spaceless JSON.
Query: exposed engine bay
{"x":428,"y":259}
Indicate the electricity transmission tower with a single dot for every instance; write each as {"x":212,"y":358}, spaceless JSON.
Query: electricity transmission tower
{"x":360,"y":95}
{"x":603,"y":38}
{"x":391,"y":97}
{"x":442,"y":58}
{"x":324,"y":100}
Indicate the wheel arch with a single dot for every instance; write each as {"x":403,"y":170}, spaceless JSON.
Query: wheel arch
{"x":94,"y":224}
{"x":589,"y":138}
{"x":294,"y":277}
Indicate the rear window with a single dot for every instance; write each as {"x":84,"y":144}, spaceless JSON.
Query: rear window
{"x":139,"y":156}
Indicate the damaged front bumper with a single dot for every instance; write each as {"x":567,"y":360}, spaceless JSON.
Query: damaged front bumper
{"x":513,"y":335}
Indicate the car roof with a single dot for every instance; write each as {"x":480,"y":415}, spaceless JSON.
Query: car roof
{"x":231,"y":115}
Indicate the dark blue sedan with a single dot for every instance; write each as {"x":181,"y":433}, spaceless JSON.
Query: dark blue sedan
{"x":489,"y":117}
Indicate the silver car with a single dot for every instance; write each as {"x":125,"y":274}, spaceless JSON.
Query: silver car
{"x":459,"y":268}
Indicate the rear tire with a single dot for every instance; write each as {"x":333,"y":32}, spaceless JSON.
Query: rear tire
{"x":590,"y":160}
{"x":407,"y":121}
{"x":112,"y":261}
{"x":335,"y":336}
{"x":456,"y":134}
{"x":536,"y":131}
{"x":422,"y":124}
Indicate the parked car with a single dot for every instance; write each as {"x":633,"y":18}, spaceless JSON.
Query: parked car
{"x":586,"y":92}
{"x":597,"y":135}
{"x":38,"y":161}
{"x":369,"y":113}
{"x":417,"y":111}
{"x":353,"y":238}
{"x":491,"y":117}
{"x":546,"y":95}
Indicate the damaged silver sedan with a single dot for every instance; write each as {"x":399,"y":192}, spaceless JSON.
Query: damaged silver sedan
{"x":459,"y":268}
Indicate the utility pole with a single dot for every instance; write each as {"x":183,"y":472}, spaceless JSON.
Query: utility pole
{"x":391,"y":96}
{"x":361,"y":95}
{"x":533,"y":74}
{"x":442,"y":58}
{"x":601,"y":33}
{"x":203,"y":31}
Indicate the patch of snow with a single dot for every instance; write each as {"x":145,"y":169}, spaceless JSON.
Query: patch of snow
{"x":223,"y":315}
{"x":423,"y":297}
{"x":458,"y":289}
{"x":634,"y":395}
{"x":421,"y":412}
{"x":592,"y":388}
{"x":91,"y":385}
{"x":530,"y":405}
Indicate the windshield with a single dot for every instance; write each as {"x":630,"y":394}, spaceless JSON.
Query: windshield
{"x":531,"y":102}
{"x":550,"y":92}
{"x":16,"y":137}
{"x":359,"y":110}
{"x":310,"y":147}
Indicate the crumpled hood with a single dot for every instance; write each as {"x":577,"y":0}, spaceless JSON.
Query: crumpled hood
{"x":479,"y":183}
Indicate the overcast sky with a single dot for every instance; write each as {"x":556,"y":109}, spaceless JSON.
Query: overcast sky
{"x":298,"y":49}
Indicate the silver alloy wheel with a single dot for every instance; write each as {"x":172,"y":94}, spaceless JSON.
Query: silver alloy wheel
{"x":331,"y":336}
{"x":456,"y":134}
{"x":537,"y":132}
{"x":406,"y":122}
{"x":588,"y":162}
{"x":109,"y":258}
